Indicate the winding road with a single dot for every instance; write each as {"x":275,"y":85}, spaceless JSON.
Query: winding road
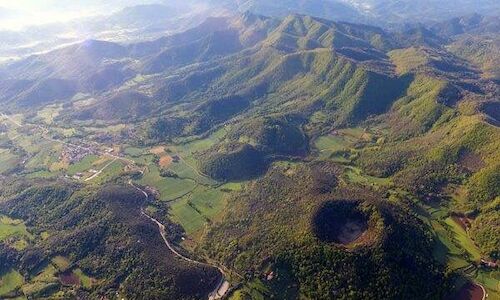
{"x":223,"y":285}
{"x":484,"y":291}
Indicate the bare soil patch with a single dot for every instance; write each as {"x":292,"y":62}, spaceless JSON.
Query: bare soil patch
{"x":351,"y":231}
{"x":165,"y":161}
{"x":157,"y":150}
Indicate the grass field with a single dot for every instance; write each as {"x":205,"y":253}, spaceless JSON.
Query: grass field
{"x":43,"y":280}
{"x":255,"y":290}
{"x":459,"y":235}
{"x":446,"y":250}
{"x":169,"y":188}
{"x":456,"y":249}
{"x":85,"y":281}
{"x":491,"y":281}
{"x":45,"y":157}
{"x":20,"y":244}
{"x":61,"y":263}
{"x":193,"y":211}
{"x":48,"y":277}
{"x":83,"y":165}
{"x":14,"y":233}
{"x":195,"y":198}
{"x":66,"y":132}
{"x":9,"y":282}
{"x":183,"y":170}
{"x":111,"y":171}
{"x":453,"y":246}
{"x":31,"y":143}
{"x":231,"y":186}
{"x":49,"y":112}
{"x":343,"y":140}
{"x":327,"y":145}
{"x":8,"y":161}
{"x":41,"y":174}
{"x":355,"y":175}
{"x":11,"y":227}
{"x":145,"y":159}
{"x":187,"y":216}
{"x":186,"y":150}
{"x":134,"y":151}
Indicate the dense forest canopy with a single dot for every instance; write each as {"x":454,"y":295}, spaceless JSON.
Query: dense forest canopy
{"x":252,"y":150}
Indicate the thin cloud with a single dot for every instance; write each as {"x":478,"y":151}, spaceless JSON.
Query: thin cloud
{"x":16,"y":15}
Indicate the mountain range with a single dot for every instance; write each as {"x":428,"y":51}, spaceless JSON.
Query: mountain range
{"x":273,"y":150}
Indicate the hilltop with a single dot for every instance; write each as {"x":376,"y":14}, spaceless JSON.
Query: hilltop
{"x":303,"y":157}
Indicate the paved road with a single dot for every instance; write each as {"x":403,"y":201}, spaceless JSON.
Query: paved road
{"x":100,"y":171}
{"x":223,"y":285}
{"x":484,"y":291}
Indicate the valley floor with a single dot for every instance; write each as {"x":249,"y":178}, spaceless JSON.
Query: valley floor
{"x":195,"y":201}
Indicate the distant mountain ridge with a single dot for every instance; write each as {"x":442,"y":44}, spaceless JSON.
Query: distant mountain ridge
{"x":379,"y":12}
{"x":468,"y":24}
{"x":331,"y":141}
{"x":94,"y":66}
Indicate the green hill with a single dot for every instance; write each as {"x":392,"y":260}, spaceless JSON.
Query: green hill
{"x":269,"y":226}
{"x":200,"y":120}
{"x":298,"y":32}
{"x":103,"y":233}
{"x":481,"y":50}
{"x":309,"y":158}
{"x":273,"y":135}
{"x":233,"y":162}
{"x":124,"y":105}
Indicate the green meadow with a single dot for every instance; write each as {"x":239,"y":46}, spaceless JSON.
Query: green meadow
{"x":9,"y":282}
{"x":8,"y":160}
{"x":11,"y":227}
{"x":169,"y":188}
{"x":200,"y":207}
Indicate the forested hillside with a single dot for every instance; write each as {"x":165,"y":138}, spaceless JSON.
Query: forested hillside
{"x":256,"y":157}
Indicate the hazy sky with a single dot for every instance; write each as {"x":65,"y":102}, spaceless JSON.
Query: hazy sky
{"x":15,"y":14}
